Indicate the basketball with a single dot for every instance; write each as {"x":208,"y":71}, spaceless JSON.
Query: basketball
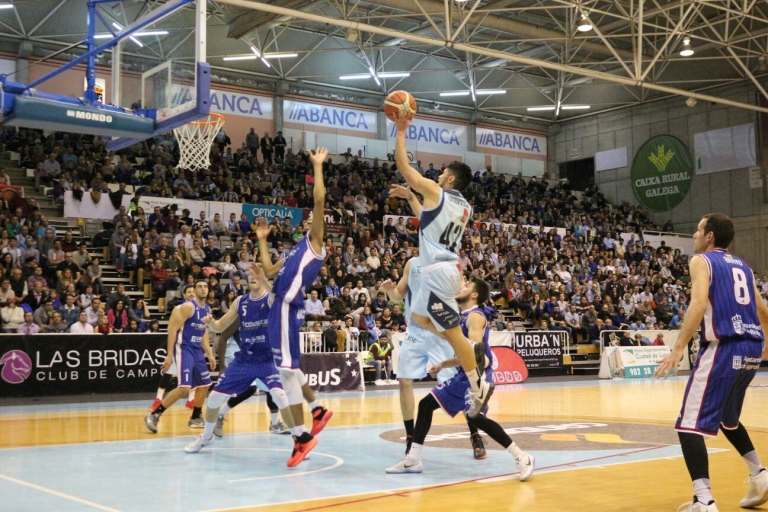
{"x":398,"y":104}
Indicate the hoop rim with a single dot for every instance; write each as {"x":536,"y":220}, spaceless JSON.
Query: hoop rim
{"x":217,"y":118}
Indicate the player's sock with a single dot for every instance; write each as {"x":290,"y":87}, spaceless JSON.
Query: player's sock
{"x":696,"y":460}
{"x":160,"y":393}
{"x":160,"y":410}
{"x":197,"y":412}
{"x":409,"y":426}
{"x":474,"y":380}
{"x":514,"y":450}
{"x":703,"y":491}
{"x":208,"y":429}
{"x":415,"y":452}
{"x":274,"y":417}
{"x":224,"y":409}
{"x":313,"y":405}
{"x":740,"y":440}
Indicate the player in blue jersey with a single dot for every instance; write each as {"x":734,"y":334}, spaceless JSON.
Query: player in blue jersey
{"x":442,"y":223}
{"x":254,"y":361}
{"x":188,"y":346}
{"x":286,"y":315}
{"x":453,"y":395}
{"x":727,"y":305}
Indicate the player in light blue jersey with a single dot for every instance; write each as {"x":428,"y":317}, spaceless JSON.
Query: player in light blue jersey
{"x":734,"y":319}
{"x":442,"y":222}
{"x":453,"y":394}
{"x":188,"y":347}
{"x":286,"y":316}
{"x":254,"y":361}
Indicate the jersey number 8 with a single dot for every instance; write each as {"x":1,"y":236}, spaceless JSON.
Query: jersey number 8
{"x":740,"y":288}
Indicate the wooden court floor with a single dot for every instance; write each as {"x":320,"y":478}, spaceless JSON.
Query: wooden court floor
{"x":600,"y":446}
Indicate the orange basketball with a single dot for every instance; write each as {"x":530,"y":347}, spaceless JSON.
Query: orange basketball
{"x":400,"y":104}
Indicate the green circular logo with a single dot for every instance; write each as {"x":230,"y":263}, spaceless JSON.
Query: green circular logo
{"x":661,"y":173}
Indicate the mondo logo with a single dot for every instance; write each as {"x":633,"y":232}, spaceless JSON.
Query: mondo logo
{"x":16,"y":367}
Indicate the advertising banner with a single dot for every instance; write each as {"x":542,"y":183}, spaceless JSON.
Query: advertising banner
{"x":69,"y":364}
{"x":433,"y":137}
{"x":662,"y":172}
{"x":329,"y":116}
{"x":333,"y":371}
{"x":511,"y":142}
{"x":540,"y":349}
{"x":508,"y":366}
{"x":634,"y":362}
{"x":269,"y":212}
{"x":655,"y":337}
{"x":331,"y":225}
{"x":228,"y":102}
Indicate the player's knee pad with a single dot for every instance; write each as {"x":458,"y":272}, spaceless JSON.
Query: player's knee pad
{"x":280,"y":397}
{"x":292,"y":385}
{"x":216,"y":400}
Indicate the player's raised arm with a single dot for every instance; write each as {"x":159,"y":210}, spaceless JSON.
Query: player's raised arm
{"x":696,"y":310}
{"x":316,"y":232}
{"x":258,"y":272}
{"x":179,"y":315}
{"x":225,"y":321}
{"x":424,"y":186}
{"x":476,"y":327}
{"x":270,"y":269}
{"x":406,"y":193}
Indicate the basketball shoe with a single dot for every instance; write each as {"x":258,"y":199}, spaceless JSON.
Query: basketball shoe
{"x":196,"y":423}
{"x":320,"y":418}
{"x":150,"y":420}
{"x":480,"y":397}
{"x":695,"y":506}
{"x":409,"y":464}
{"x":758,"y":490}
{"x":478,"y":447}
{"x":525,"y":464}
{"x":278,"y":428}
{"x":218,"y":430}
{"x":301,"y":447}
{"x":198,"y":444}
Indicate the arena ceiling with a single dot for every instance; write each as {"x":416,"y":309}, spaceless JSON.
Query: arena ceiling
{"x":532,"y":50}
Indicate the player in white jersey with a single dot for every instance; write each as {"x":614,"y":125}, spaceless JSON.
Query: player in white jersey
{"x":443,"y":220}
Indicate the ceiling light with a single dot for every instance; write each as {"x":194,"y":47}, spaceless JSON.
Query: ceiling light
{"x":394,"y":74}
{"x":280,"y":55}
{"x":255,"y":51}
{"x":574,"y":107}
{"x":266,"y":62}
{"x":687,"y":51}
{"x":584,"y":25}
{"x":120,"y":27}
{"x":137,"y":34}
{"x":488,"y":92}
{"x":541,"y":109}
{"x":455,"y":93}
{"x":352,"y":35}
{"x":362,"y":76}
{"x":6,"y":6}
{"x":691,"y":102}
{"x":241,"y":57}
{"x":373,"y":74}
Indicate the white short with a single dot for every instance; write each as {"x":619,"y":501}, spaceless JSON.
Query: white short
{"x":420,"y":347}
{"x":440,"y":282}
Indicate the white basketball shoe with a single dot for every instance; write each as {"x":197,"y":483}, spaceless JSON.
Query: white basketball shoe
{"x":758,"y":490}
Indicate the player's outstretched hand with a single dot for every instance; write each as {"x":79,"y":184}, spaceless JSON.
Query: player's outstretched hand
{"x":389,"y":285}
{"x":167,"y":363}
{"x":435,"y":370}
{"x":403,"y":123}
{"x":208,"y":319}
{"x":318,"y":156}
{"x":400,"y":191}
{"x":262,"y":231}
{"x":668,"y":365}
{"x":256,"y":270}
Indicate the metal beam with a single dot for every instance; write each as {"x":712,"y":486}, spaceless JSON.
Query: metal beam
{"x":491,"y":53}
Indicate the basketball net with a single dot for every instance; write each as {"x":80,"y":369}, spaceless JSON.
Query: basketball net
{"x":195,"y":140}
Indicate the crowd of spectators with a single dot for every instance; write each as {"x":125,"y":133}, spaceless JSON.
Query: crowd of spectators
{"x":554,"y":256}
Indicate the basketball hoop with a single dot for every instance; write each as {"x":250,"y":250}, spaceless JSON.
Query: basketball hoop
{"x":195,"y":140}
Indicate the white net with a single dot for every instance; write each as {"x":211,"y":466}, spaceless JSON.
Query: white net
{"x":195,"y":140}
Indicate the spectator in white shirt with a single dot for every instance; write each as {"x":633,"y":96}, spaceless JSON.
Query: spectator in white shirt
{"x":184,"y":235}
{"x":81,"y":326}
{"x":313,"y":307}
{"x":12,"y":315}
{"x":360,"y":288}
{"x":92,"y":312}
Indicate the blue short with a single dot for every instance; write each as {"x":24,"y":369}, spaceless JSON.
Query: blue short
{"x":285,"y":322}
{"x":239,"y":376}
{"x":453,"y":394}
{"x":192,"y":367}
{"x":717,"y":385}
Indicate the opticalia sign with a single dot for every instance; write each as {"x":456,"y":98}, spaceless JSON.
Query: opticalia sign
{"x":269,"y":212}
{"x":433,"y":137}
{"x":512,"y":142}
{"x":343,"y":118}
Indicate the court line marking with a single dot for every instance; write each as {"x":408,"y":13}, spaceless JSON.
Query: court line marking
{"x":57,"y":493}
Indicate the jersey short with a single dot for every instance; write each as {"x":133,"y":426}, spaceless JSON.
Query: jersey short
{"x":716,"y":387}
{"x":436,"y":297}
{"x":420,"y":347}
{"x":239,"y":376}
{"x":192,"y":366}
{"x":453,"y":395}
{"x":229,"y":356}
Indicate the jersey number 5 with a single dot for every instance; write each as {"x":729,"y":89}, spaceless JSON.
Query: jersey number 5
{"x":740,"y":288}
{"x":450,"y":236}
